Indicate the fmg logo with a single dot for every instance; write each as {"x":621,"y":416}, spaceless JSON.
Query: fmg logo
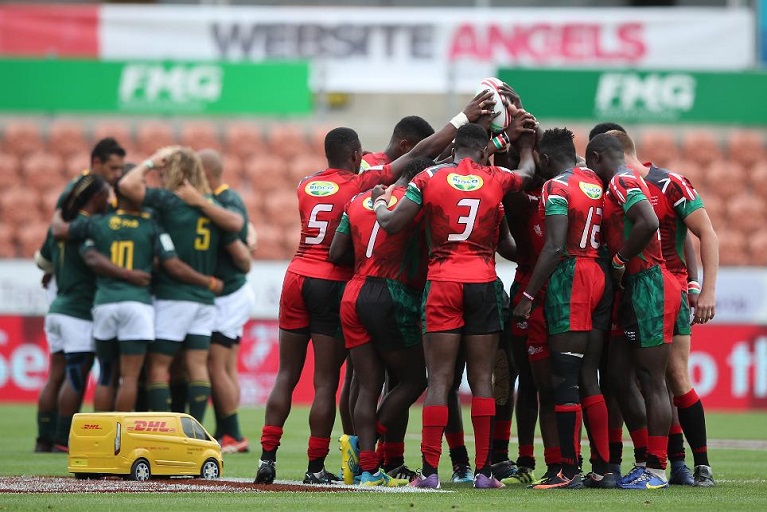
{"x":150,"y":426}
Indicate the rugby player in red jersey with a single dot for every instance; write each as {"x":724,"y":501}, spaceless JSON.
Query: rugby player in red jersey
{"x":408,"y":132}
{"x":313,"y":286}
{"x":647,"y":309}
{"x":463,"y":299}
{"x":679,"y":208}
{"x":572,"y":203}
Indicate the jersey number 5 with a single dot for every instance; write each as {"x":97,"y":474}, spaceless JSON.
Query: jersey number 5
{"x":322,"y":225}
{"x":202,"y":241}
{"x":466,"y":220}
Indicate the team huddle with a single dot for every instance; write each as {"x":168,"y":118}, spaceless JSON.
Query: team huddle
{"x":395,"y":274}
{"x":152,"y":282}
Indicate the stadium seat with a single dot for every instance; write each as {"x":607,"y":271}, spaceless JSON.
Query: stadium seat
{"x":264,"y":173}
{"x":20,"y":205}
{"x":305,"y":165}
{"x":689,"y":170}
{"x":66,"y":137}
{"x":757,"y":248}
{"x":30,"y":238}
{"x":153,"y":135}
{"x":715,"y":207}
{"x":76,"y":163}
{"x":281,"y":208}
{"x":23,"y":138}
{"x":243,"y":139}
{"x":317,"y":135}
{"x":581,"y":141}
{"x":254,"y":206}
{"x":757,"y":179}
{"x":9,"y":171}
{"x":725,"y":178}
{"x":746,"y":211}
{"x":270,"y":242}
{"x":48,"y":201}
{"x":658,"y":146}
{"x":42,"y":171}
{"x":287,"y":140}
{"x":119,"y":131}
{"x":701,"y":147}
{"x":292,"y":237}
{"x":745,"y":147}
{"x":233,"y":169}
{"x":7,"y":242}
{"x":732,"y":248}
{"x":199,"y":135}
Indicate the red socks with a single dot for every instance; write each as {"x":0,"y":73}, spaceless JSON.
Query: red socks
{"x":482,"y":412}
{"x":595,"y":409}
{"x":318,"y":447}
{"x":368,"y":461}
{"x":639,"y":438}
{"x":656,"y":451}
{"x":434,"y":423}
{"x":552,"y":456}
{"x":270,"y":438}
{"x":455,"y":439}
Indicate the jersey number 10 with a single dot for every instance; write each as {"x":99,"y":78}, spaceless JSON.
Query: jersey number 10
{"x":122,"y":253}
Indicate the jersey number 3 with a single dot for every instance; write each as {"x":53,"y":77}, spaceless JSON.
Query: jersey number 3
{"x":467,"y":220}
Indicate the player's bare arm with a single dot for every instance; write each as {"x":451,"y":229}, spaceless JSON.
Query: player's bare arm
{"x":507,"y":246}
{"x":182,"y":272}
{"x":133,"y":184}
{"x":240,"y":255}
{"x":102,"y":266}
{"x":341,"y":250}
{"x":393,"y":221}
{"x":699,"y":224}
{"x":644,"y":227}
{"x":691,"y":261}
{"x":554,"y":244}
{"x":226,"y":219}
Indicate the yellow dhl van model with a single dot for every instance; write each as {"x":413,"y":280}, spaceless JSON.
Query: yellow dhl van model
{"x":139,"y":445}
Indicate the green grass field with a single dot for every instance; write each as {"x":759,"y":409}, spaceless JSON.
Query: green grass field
{"x":741,"y":485}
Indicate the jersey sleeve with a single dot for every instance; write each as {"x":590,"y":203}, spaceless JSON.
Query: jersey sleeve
{"x":510,"y":181}
{"x":555,"y":198}
{"x":156,"y":197}
{"x":79,"y":228}
{"x":682,"y":196}
{"x":165,"y":249}
{"x":344,"y":226}
{"x":416,"y":187}
{"x":378,"y":175}
{"x":627,"y":191}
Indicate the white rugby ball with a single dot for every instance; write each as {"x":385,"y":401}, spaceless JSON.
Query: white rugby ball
{"x":503,"y":119}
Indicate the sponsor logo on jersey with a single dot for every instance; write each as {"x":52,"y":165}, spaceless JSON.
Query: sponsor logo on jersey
{"x":465,"y":183}
{"x":116,"y":223}
{"x":321,"y":188}
{"x":368,"y":203}
{"x":591,"y":190}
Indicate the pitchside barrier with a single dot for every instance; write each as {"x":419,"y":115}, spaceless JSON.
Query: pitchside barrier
{"x":728,"y":360}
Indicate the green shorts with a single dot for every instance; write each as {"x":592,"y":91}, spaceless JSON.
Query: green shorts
{"x":649,"y":307}
{"x":683,"y":326}
{"x":574,"y":291}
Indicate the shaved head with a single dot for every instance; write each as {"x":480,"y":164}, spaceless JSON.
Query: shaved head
{"x":211,"y":162}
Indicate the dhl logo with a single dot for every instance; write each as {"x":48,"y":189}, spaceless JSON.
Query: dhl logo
{"x":150,"y":426}
{"x":92,"y":426}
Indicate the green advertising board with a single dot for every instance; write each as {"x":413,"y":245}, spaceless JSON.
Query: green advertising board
{"x":179,"y":88}
{"x":642,"y":96}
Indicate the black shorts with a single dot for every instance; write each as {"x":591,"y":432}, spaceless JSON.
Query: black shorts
{"x":310,"y":305}
{"x":466,"y":308}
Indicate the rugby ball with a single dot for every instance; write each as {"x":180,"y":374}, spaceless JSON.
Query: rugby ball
{"x":503,"y":119}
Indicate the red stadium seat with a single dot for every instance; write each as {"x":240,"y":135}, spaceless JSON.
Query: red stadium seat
{"x":305,"y":165}
{"x":76,"y":164}
{"x":66,"y":138}
{"x":270,"y":242}
{"x":9,"y":171}
{"x":757,"y":248}
{"x":254,"y":206}
{"x":658,"y":146}
{"x":30,"y":238}
{"x":23,"y":138}
{"x":287,"y":140}
{"x":757,"y":179}
{"x":243,"y":139}
{"x":200,"y":135}
{"x":317,"y":139}
{"x":690,"y":170}
{"x":715,"y":207}
{"x":701,"y":147}
{"x":732,"y":248}
{"x":48,"y":202}
{"x":20,"y":205}
{"x":265,"y":173}
{"x":725,"y":178}
{"x":152,"y":136}
{"x":746,"y":211}
{"x":281,"y":208}
{"x":7,"y":242}
{"x":581,"y":141}
{"x":745,"y":147}
{"x":119,"y":131}
{"x":233,"y":169}
{"x":42,"y":171}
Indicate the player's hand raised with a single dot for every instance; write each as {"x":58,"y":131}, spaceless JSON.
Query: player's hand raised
{"x":189,"y":194}
{"x":481,"y":105}
{"x":522,"y":129}
{"x":510,"y":96}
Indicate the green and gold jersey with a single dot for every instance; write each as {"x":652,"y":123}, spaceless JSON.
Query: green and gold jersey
{"x":226,"y":270}
{"x":75,"y":281}
{"x":131,"y":240}
{"x":196,"y":240}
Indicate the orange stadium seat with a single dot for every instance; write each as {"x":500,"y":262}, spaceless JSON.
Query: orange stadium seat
{"x":264,"y":173}
{"x":199,"y":135}
{"x":281,"y":208}
{"x":725,"y":178}
{"x":581,"y":141}
{"x":7,"y":242}
{"x":66,"y":137}
{"x":270,"y":242}
{"x":48,"y":201}
{"x":30,"y":238}
{"x":253,"y":204}
{"x":757,"y":179}
{"x":715,"y":207}
{"x":689,"y":170}
{"x":701,"y":147}
{"x":76,"y":163}
{"x":746,"y":211}
{"x":23,"y":138}
{"x":9,"y":171}
{"x":20,"y":205}
{"x":658,"y":146}
{"x":305,"y":165}
{"x":243,"y":139}
{"x":292,"y":238}
{"x":119,"y":131}
{"x":732,"y":248}
{"x":757,"y":248}
{"x":153,"y":135}
{"x":287,"y":140}
{"x":317,"y":135}
{"x":745,"y":147}
{"x":43,"y":171}
{"x":233,"y":169}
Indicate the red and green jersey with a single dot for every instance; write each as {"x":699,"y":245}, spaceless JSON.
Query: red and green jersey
{"x":400,"y":256}
{"x":577,"y":193}
{"x":461,"y":214}
{"x":673,"y":198}
{"x":626,"y":189}
{"x":321,"y":201}
{"x":374,"y":160}
{"x":527,"y":227}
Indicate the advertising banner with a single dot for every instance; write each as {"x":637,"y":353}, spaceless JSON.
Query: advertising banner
{"x":728,"y":364}
{"x":642,"y":96}
{"x":371,"y":50}
{"x":85,"y":86}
